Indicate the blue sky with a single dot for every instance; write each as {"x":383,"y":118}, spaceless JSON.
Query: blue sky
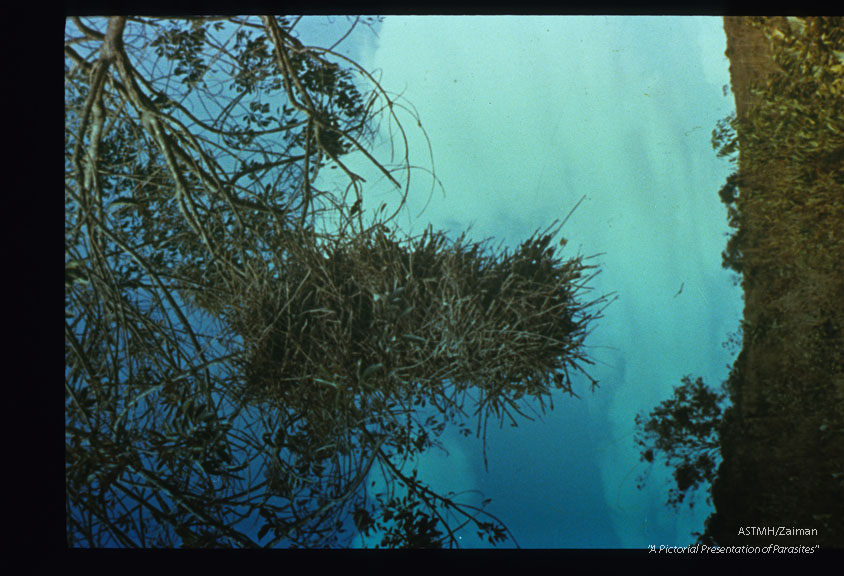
{"x":526,"y":115}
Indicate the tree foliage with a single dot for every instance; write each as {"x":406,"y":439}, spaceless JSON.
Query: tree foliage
{"x":684,"y":431}
{"x":244,"y":351}
{"x":796,"y":124}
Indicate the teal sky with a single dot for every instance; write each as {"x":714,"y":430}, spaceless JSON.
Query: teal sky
{"x":526,"y":115}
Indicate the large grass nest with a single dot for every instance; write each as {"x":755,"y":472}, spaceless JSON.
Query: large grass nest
{"x":346,"y":326}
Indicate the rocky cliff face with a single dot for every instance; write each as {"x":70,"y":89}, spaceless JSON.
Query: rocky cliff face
{"x":782,"y":477}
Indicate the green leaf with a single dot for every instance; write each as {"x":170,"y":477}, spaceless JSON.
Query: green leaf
{"x":371,"y":370}
{"x":321,"y":381}
{"x":414,"y":338}
{"x":123,"y":202}
{"x":73,"y":273}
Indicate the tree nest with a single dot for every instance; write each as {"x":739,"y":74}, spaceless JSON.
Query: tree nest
{"x":349,"y":319}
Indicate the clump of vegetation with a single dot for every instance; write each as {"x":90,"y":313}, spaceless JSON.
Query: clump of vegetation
{"x":725,"y":143}
{"x":377,"y":315}
{"x":796,"y":129}
{"x":785,"y":201}
{"x":683,"y":431}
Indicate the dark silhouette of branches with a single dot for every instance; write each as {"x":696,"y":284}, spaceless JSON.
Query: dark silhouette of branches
{"x":684,"y":431}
